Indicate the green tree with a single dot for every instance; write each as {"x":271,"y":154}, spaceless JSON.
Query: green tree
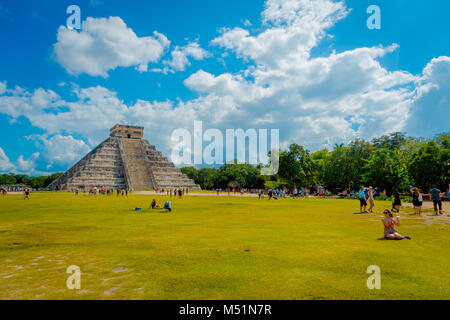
{"x":385,"y":169}
{"x":320,"y":160}
{"x":296,"y":166}
{"x":358,"y":153}
{"x":429,"y":165}
{"x":7,"y":179}
{"x":241,"y":174}
{"x":443,"y":140}
{"x":393,"y":141}
{"x":337,"y":169}
{"x":191,"y":172}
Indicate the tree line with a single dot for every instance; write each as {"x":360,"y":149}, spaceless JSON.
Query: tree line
{"x":393,"y":161}
{"x":23,"y":179}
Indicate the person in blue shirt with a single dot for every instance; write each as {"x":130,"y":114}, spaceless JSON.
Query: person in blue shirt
{"x":168,"y":206}
{"x":362,"y":200}
{"x":435,"y":194}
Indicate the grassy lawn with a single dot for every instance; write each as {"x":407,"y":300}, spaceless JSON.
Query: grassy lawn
{"x":214,"y":248}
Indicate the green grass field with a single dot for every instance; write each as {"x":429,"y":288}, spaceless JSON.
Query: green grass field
{"x":214,"y":248}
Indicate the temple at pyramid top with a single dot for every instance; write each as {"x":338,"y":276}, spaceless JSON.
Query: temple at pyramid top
{"x":125,"y":160}
{"x":123,"y":131}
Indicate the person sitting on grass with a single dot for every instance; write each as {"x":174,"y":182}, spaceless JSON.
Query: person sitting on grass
{"x":362,"y":200}
{"x":168,"y":206}
{"x":154,"y":205}
{"x":389,"y":222}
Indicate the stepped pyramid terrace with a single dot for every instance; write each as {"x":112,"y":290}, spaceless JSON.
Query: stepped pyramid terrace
{"x":124,"y":161}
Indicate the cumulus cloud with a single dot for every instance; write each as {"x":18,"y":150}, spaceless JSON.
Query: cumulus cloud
{"x":6,"y":166}
{"x":430,"y":109}
{"x":179,"y":56}
{"x":29,"y":165}
{"x":60,"y":150}
{"x":294,"y":27}
{"x":104,"y":44}
{"x":21,"y":165}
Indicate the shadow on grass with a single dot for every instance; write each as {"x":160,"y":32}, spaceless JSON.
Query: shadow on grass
{"x":387,"y":239}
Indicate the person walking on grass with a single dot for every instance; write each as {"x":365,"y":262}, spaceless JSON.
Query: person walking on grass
{"x":397,"y":202}
{"x":389,"y":224}
{"x":435,"y":194}
{"x":362,"y":200}
{"x":370,"y":198}
{"x":26,"y":194}
{"x":417,"y":200}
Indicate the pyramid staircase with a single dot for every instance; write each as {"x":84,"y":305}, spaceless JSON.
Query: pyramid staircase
{"x":102,"y":167}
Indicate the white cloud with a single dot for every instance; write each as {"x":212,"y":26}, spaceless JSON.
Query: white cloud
{"x":29,"y":165}
{"x":430,"y":109}
{"x":61,"y":150}
{"x":294,"y":27}
{"x":6,"y":166}
{"x":21,"y":165}
{"x":104,"y":44}
{"x":179,"y":56}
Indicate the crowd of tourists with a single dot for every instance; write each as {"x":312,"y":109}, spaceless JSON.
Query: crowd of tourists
{"x":176,"y":192}
{"x":275,"y":193}
{"x":172,"y":191}
{"x":102,"y":191}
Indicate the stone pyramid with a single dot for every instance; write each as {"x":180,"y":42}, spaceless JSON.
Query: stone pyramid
{"x":124,"y":161}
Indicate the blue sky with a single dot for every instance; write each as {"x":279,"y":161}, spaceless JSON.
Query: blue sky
{"x":310,"y":68}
